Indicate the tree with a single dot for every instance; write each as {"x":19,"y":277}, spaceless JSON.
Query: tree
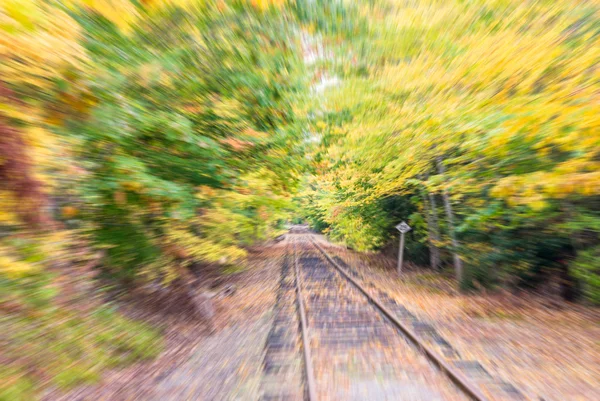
{"x":504,"y":92}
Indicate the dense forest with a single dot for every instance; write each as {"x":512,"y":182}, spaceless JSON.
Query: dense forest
{"x":476,"y":122}
{"x":142,"y":139}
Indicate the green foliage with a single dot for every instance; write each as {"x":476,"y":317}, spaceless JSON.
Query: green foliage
{"x":585,"y":267}
{"x":500,"y":95}
{"x":51,"y":343}
{"x":187,"y":131}
{"x":162,"y":133}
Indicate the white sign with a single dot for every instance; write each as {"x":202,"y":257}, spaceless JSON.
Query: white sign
{"x":403,"y":227}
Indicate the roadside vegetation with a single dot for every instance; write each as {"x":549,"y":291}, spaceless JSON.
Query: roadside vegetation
{"x":141,"y":141}
{"x":138,"y":140}
{"x":476,"y":122}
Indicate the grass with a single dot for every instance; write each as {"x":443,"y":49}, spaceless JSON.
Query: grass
{"x":233,"y":269}
{"x":52,"y":345}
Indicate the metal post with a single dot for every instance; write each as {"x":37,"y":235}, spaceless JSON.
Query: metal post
{"x":400,"y":253}
{"x":403,"y":228}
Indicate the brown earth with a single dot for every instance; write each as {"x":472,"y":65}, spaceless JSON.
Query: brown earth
{"x":549,"y":350}
{"x":198,"y":360}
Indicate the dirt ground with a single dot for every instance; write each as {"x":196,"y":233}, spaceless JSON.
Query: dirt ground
{"x":197,"y":363}
{"x":357,"y":354}
{"x":550,"y":351}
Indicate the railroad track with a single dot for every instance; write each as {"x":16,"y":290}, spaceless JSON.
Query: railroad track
{"x":350,"y":345}
{"x":283,"y":367}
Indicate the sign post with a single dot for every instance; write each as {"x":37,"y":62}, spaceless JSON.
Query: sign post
{"x":403,"y":228}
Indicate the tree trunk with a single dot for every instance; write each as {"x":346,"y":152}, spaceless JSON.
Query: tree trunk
{"x":434,"y":232}
{"x":432,"y":228}
{"x":203,"y":304}
{"x":17,"y":172}
{"x":458,"y":267}
{"x":570,"y":288}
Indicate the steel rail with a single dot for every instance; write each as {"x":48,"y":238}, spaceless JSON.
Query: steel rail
{"x":457,"y":377}
{"x":310,"y":376}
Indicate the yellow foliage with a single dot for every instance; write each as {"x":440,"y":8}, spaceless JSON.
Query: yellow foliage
{"x":265,"y":4}
{"x":205,"y":192}
{"x":14,"y":268}
{"x":321,"y":125}
{"x":8,"y":208}
{"x":189,"y":245}
{"x":69,"y":212}
{"x":122,"y":13}
{"x":255,"y":134}
{"x":44,"y":38}
{"x":519,"y":90}
{"x":134,"y":186}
